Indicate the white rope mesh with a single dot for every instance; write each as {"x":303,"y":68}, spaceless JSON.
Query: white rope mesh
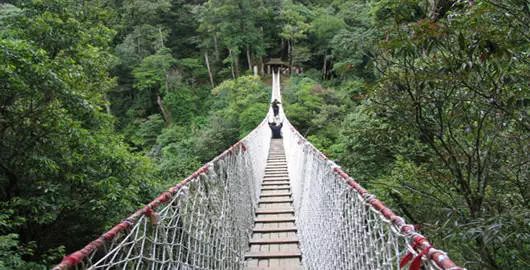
{"x":206,"y":221}
{"x":338,"y":228}
{"x":205,"y":224}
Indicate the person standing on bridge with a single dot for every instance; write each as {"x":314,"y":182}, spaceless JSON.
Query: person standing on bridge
{"x":276,"y":107}
{"x":276,"y":130}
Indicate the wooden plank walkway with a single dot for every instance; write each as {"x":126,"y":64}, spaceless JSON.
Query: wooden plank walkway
{"x":274,"y":244}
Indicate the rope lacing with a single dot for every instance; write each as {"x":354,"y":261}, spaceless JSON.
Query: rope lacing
{"x":204,"y":222}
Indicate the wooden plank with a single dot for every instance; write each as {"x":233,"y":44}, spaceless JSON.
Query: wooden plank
{"x":270,"y":205}
{"x":275,"y":183}
{"x":276,"y":201}
{"x":275,"y":179}
{"x":290,"y":267}
{"x":275,"y":211}
{"x":274,"y":220}
{"x":278,"y":254}
{"x":283,"y":176}
{"x":279,"y":240}
{"x":275,"y":194}
{"x":274,"y":188}
{"x":271,"y":230}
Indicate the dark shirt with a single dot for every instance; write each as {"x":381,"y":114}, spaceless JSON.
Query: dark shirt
{"x":275,"y":107}
{"x":276,"y":130}
{"x":275,"y":110}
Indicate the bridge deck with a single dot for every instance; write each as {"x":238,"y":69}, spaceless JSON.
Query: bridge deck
{"x":274,"y":244}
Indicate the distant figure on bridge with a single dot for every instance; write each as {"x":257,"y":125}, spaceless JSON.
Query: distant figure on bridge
{"x":275,"y":107}
{"x":276,"y":130}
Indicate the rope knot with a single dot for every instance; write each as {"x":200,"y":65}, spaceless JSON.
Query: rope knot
{"x":415,"y":262}
{"x":154,"y":217}
{"x":367,"y":197}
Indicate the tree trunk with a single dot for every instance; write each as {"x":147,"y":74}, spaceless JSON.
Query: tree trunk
{"x":236,"y":65}
{"x":329,"y":64}
{"x":165,"y":113}
{"x":216,"y":48}
{"x":209,"y":69}
{"x":282,"y":46}
{"x":231,"y":63}
{"x":161,"y":38}
{"x":324,"y":67}
{"x":249,"y":59}
{"x":107,"y":103}
{"x":138,"y":46}
{"x":291,"y":50}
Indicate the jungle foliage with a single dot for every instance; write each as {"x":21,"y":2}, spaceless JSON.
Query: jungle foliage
{"x":104,"y":103}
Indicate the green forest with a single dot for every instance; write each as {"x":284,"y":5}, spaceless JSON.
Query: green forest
{"x":106,"y":103}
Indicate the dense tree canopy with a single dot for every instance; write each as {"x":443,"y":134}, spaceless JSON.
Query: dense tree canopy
{"x":104,"y":103}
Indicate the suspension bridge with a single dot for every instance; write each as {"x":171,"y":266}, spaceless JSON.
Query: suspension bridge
{"x":263,"y":204}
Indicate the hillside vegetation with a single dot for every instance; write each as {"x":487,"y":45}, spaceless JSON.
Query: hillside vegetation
{"x":105,"y":103}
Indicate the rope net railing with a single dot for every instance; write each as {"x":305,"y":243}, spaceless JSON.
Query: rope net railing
{"x":341,"y":225}
{"x":204,"y":222}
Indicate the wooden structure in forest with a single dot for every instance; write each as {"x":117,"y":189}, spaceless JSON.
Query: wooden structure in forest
{"x":275,"y":64}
